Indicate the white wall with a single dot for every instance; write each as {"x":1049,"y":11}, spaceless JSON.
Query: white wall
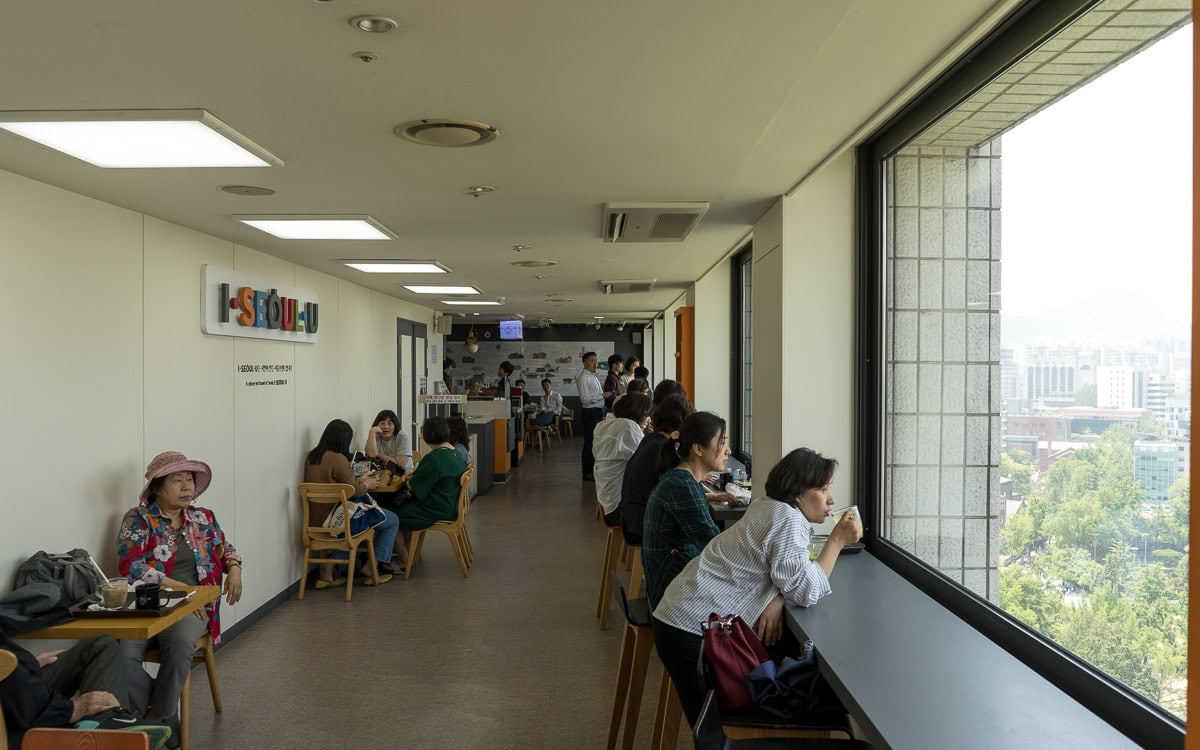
{"x":803,"y":318}
{"x":714,"y":337}
{"x":106,"y":366}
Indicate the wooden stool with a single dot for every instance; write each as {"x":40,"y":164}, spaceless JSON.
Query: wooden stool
{"x":666,"y":716}
{"x":637,"y":576}
{"x":612,"y":555}
{"x":636,"y":644}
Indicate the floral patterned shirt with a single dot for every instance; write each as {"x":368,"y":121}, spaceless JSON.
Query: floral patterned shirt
{"x":147,"y":543}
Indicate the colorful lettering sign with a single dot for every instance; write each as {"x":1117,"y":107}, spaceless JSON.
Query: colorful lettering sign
{"x":238,"y":305}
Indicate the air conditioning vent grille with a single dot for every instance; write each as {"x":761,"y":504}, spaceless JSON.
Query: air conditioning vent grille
{"x":651,"y":222}
{"x":669,"y":226}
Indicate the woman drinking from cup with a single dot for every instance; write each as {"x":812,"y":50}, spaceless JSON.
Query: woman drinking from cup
{"x":167,"y":540}
{"x":753,"y":568}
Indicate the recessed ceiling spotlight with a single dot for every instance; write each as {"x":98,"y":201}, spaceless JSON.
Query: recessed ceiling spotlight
{"x":541,"y":276}
{"x":247,"y":190}
{"x":367,"y":57}
{"x":477,"y":190}
{"x":533,"y":263}
{"x":373,"y":24}
{"x":519,"y":248}
{"x":446,"y":132}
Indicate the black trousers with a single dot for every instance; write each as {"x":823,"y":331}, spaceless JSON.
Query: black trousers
{"x":591,"y":418}
{"x":92,"y":664}
{"x":679,"y":651}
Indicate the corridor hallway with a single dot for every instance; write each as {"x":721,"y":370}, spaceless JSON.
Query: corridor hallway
{"x":511,"y":657}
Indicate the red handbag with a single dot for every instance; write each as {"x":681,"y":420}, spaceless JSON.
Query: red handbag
{"x":731,"y":652}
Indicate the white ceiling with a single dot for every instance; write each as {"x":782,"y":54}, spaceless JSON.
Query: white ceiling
{"x":615,"y":101}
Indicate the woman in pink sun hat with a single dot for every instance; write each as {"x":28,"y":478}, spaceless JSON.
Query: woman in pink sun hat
{"x":169,"y":540}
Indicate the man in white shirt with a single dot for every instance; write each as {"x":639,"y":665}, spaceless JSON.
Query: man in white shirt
{"x":550,"y":405}
{"x":591,"y":412}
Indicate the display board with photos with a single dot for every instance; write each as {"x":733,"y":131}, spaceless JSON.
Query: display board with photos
{"x":560,"y":361}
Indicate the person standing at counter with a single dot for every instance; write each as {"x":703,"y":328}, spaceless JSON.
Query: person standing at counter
{"x":503,"y":387}
{"x":753,"y":568}
{"x":591,"y":400}
{"x":612,"y":383}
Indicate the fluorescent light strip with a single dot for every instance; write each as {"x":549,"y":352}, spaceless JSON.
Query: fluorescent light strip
{"x":420,"y":289}
{"x":371,"y":266}
{"x":471,"y":302}
{"x":298,"y":227}
{"x":140,"y":139}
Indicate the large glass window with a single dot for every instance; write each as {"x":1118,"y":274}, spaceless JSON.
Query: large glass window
{"x":1034,"y":239}
{"x":742,"y":367}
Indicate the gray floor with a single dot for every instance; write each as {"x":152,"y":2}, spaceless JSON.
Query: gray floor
{"x":511,"y":657}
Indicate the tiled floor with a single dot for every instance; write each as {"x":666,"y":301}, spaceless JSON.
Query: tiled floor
{"x":510,"y":658}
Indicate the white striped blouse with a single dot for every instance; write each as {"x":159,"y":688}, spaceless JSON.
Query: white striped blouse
{"x":742,"y":569}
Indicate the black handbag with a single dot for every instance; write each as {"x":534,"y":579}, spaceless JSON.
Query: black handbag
{"x":794,"y":689}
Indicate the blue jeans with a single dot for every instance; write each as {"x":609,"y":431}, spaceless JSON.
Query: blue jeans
{"x":545,"y":419}
{"x":385,"y":537}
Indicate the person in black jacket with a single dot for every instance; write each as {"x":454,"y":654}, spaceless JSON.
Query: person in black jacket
{"x":38,"y":692}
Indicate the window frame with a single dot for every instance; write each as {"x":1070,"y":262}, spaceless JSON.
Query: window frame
{"x":744,"y":256}
{"x":1026,"y":28}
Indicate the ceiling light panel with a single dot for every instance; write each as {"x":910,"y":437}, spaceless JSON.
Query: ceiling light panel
{"x":470,"y":302}
{"x":426,"y":289}
{"x":140,"y":139}
{"x":392,"y":266}
{"x":312,"y":227}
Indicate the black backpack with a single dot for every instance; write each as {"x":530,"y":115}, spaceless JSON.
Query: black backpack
{"x":71,"y":571}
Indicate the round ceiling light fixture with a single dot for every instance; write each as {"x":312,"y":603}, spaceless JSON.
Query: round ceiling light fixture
{"x":373,"y":24}
{"x":534,"y":263}
{"x":447,"y":133}
{"x":247,"y":190}
{"x":477,"y":190}
{"x":519,"y":248}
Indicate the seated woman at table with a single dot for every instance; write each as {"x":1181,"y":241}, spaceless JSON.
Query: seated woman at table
{"x":616,"y":439}
{"x":169,"y":540}
{"x":641,"y":472}
{"x":678,"y":524}
{"x":386,"y":442}
{"x":433,"y":484}
{"x":329,"y":463}
{"x":753,"y":568}
{"x":460,"y":438}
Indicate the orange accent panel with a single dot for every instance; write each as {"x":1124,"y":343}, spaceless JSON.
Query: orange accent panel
{"x":501,"y":458}
{"x":685,"y":349}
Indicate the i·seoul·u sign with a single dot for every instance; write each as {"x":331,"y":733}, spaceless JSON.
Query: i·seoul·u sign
{"x":239,"y":305}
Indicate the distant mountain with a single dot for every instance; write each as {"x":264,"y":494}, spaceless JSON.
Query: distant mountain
{"x":1118,"y":316}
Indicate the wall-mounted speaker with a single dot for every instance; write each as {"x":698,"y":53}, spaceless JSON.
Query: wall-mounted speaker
{"x":442,"y":324}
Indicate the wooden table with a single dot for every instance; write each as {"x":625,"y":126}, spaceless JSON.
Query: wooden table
{"x":915,"y":676}
{"x":390,"y":483}
{"x":147,"y":626}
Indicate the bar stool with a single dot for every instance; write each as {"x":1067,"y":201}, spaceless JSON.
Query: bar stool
{"x":612,"y":555}
{"x":666,"y":716}
{"x":636,"y":644}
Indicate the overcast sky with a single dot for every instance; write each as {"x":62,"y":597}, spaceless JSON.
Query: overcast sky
{"x":1097,"y":192}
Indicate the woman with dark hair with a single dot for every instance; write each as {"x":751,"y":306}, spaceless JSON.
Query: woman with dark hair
{"x":329,"y":462}
{"x":754,"y":567}
{"x":503,"y":387}
{"x":460,"y":437}
{"x":678,"y":523}
{"x":387,"y":442}
{"x":448,"y":366}
{"x":668,"y":387}
{"x":627,"y":373}
{"x":641,"y":471}
{"x":616,"y":439}
{"x":433,"y":484}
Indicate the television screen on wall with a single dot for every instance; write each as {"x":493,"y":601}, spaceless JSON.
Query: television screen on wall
{"x":511,"y":329}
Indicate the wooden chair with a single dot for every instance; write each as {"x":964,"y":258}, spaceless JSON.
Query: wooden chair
{"x":318,"y":500}
{"x":8,"y":665}
{"x":566,"y":419}
{"x":613,"y":543}
{"x":455,"y":531}
{"x":204,"y":654}
{"x":83,"y":739}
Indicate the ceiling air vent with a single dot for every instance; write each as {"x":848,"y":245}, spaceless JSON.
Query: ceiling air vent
{"x":627,"y":286}
{"x":651,"y":222}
